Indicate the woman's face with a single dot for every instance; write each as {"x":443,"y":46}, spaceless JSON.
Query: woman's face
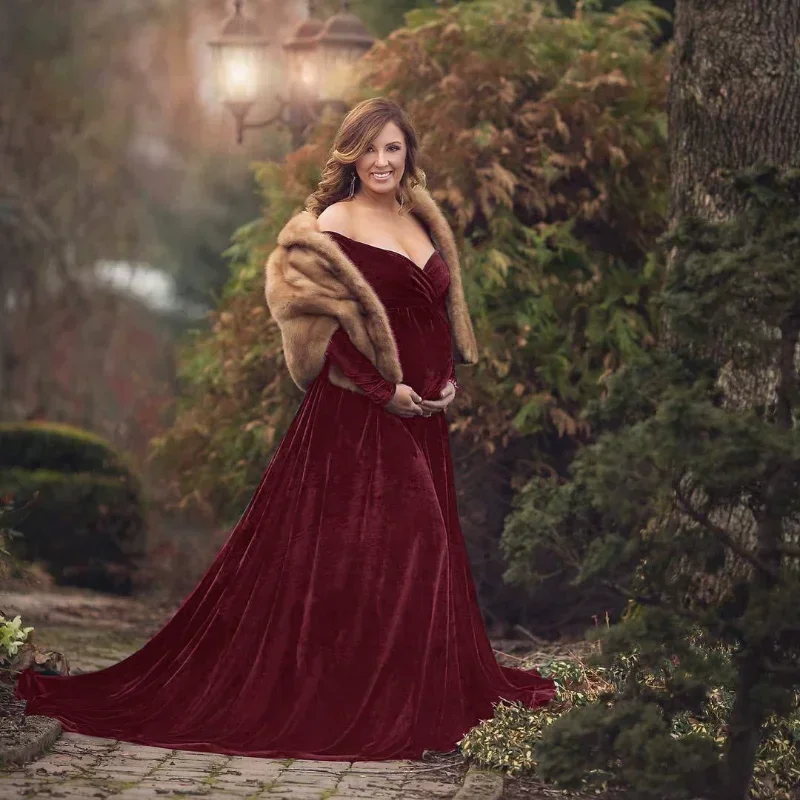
{"x":382,"y":165}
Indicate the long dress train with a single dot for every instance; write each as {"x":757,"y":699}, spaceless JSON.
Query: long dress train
{"x":339,"y":621}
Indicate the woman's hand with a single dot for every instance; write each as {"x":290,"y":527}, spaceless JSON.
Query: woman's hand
{"x":405,"y":402}
{"x":434,"y":406}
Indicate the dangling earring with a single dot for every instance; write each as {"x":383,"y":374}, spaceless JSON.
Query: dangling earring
{"x":402,"y":202}
{"x":352,"y":186}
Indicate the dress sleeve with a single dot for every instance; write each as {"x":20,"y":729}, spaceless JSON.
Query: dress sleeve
{"x":452,"y":377}
{"x":353,"y":363}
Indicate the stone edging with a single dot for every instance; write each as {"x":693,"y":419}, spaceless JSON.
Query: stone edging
{"x":481,"y":784}
{"x":51,"y":730}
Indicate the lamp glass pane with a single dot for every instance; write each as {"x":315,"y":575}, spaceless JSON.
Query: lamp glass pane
{"x":239,"y":72}
{"x":336,"y":70}
{"x":303,"y":69}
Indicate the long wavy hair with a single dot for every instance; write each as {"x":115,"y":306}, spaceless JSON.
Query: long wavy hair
{"x":358,"y":130}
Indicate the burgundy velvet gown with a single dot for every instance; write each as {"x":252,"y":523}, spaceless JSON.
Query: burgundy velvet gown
{"x":339,"y":621}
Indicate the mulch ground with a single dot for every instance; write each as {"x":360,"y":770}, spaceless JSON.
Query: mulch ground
{"x":13,"y":729}
{"x":17,"y":730}
{"x":447,"y":767}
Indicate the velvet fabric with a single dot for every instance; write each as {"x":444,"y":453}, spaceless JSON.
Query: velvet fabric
{"x":420,"y":330}
{"x":339,"y":621}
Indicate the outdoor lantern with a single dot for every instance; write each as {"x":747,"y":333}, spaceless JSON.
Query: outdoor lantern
{"x":240,"y":63}
{"x":319,"y":61}
{"x":301,"y":60}
{"x":341,"y":42}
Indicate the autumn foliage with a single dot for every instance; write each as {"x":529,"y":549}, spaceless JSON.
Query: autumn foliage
{"x":543,"y":139}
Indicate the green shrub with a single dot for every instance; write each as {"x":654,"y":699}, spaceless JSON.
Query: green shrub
{"x":85,"y":519}
{"x":10,"y":519}
{"x":38,"y":445}
{"x":510,"y":741}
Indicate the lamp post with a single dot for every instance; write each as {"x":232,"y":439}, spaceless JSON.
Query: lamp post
{"x":319,"y":60}
{"x":239,"y":56}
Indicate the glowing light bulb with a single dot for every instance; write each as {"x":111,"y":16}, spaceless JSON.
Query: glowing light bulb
{"x":239,"y":77}
{"x":307,"y":74}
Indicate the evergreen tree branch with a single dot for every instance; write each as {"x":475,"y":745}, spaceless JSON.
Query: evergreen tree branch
{"x":703,"y":519}
{"x":787,"y":672}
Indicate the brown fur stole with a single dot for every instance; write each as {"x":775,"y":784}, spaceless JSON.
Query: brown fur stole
{"x":312,"y":287}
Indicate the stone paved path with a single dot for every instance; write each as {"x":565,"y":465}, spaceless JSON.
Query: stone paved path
{"x":86,"y":767}
{"x":97,"y":631}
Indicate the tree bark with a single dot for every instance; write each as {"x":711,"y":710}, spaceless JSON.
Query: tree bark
{"x":734,"y":102}
{"x":734,"y":96}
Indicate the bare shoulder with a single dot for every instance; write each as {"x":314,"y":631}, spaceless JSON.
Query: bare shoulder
{"x":337,"y":217}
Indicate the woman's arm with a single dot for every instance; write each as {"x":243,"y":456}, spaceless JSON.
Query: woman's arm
{"x":353,"y":363}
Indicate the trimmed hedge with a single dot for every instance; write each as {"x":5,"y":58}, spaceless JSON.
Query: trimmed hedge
{"x":54,"y":446}
{"x":87,"y":522}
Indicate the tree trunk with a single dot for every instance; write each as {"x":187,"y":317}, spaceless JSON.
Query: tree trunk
{"x":734,"y":102}
{"x":734,"y":96}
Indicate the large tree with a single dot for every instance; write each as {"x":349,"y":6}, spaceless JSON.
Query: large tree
{"x":734,"y":104}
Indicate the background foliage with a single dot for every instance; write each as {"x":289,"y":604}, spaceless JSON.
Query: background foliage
{"x":511,"y":741}
{"x":686,"y":505}
{"x":544,"y":139}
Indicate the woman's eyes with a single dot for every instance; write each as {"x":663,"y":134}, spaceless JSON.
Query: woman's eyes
{"x":391,"y":147}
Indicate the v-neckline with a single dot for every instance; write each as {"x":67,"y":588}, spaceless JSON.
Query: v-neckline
{"x":392,"y":252}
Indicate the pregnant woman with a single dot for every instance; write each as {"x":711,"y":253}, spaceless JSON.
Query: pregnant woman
{"x":339,"y":621}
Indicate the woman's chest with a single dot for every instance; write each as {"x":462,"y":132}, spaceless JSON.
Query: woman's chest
{"x":407,"y":238}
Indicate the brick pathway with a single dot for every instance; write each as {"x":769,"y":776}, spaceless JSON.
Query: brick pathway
{"x":96,"y":631}
{"x":80,"y":766}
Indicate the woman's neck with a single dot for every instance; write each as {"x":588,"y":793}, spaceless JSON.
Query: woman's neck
{"x":382,"y":202}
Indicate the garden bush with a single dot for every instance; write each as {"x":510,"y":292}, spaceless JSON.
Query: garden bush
{"x":84,"y":517}
{"x":510,"y":741}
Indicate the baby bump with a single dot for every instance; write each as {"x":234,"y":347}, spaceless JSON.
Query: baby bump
{"x":425,"y":348}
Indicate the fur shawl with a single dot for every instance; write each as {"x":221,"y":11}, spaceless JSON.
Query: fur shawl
{"x":312,"y":287}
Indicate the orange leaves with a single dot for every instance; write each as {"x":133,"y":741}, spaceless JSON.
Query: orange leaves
{"x":614,"y":78}
{"x":618,"y":157}
{"x":532,"y":113}
{"x":463,"y":207}
{"x":269,"y":431}
{"x":452,"y":83}
{"x":560,"y":160}
{"x":507,"y":91}
{"x":497,"y":185}
{"x":451,"y":32}
{"x":561,"y":127}
{"x":565,"y":424}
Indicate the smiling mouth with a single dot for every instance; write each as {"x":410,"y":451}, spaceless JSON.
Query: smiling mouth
{"x":381,"y":174}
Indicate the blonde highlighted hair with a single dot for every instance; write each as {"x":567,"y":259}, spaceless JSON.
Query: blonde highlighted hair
{"x":358,"y":130}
